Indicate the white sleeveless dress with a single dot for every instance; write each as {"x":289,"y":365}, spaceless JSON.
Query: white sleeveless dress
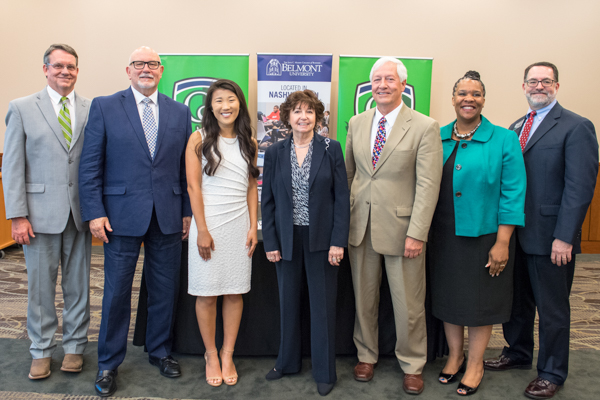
{"x":226,"y":212}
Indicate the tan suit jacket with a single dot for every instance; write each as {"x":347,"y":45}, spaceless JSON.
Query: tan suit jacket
{"x":402,"y":192}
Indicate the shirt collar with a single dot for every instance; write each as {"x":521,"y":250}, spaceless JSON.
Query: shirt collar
{"x":389,"y":117}
{"x":541,"y":113}
{"x":139,"y":97}
{"x":55,"y":96}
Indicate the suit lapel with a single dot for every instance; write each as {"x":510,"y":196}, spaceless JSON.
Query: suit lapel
{"x":547,"y":124}
{"x":128,"y":101}
{"x":81,"y":111}
{"x":317,"y":158}
{"x":163,"y":119}
{"x":285,"y":165}
{"x":398,"y":131}
{"x":365,"y":129}
{"x":45,"y":104}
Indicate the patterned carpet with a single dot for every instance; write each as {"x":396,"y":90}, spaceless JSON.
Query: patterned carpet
{"x":585,"y":307}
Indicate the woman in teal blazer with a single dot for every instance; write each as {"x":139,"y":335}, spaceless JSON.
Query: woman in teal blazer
{"x":482,"y":198}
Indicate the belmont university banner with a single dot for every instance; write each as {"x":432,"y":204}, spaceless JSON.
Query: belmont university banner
{"x":355,"y":95}
{"x":187,"y":77}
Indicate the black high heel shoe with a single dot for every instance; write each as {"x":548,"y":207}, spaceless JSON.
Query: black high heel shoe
{"x":469,"y":390}
{"x":452,"y":377}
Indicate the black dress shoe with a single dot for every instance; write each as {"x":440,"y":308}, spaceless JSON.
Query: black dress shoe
{"x":274,"y":374}
{"x":449,"y":378}
{"x":168,"y":366}
{"x":504,"y":363}
{"x":468,"y":389}
{"x":106,"y":383}
{"x":324,"y":388}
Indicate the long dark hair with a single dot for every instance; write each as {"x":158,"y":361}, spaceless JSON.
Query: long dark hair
{"x":242,"y":127}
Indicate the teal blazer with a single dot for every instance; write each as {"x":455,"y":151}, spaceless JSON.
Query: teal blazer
{"x":489,"y":179}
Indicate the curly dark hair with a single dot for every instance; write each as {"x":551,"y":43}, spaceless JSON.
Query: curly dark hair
{"x":472,"y":75}
{"x":242,"y":127}
{"x":300,"y":97}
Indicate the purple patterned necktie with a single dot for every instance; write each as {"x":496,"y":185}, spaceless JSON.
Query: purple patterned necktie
{"x":379,"y":141}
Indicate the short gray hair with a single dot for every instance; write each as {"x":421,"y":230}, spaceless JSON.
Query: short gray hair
{"x":63,"y":47}
{"x":400,"y":68}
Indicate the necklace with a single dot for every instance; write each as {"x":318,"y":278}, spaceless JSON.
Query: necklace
{"x":228,"y":141}
{"x":466,"y":135}
{"x":301,"y":146}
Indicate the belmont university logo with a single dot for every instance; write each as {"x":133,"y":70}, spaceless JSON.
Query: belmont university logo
{"x":192,"y":93}
{"x":274,"y":68}
{"x":363,"y":97}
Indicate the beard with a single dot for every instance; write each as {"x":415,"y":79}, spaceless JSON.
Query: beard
{"x":539,"y":99}
{"x":146,"y":85}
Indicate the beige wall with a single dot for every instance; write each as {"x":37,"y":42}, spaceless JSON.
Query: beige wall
{"x":498,"y":38}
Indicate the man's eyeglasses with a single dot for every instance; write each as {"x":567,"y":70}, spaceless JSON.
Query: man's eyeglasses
{"x":60,"y":67}
{"x":545,"y":82}
{"x":141,"y":64}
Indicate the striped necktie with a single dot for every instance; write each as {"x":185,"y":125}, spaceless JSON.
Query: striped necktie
{"x":64,"y":119}
{"x":149,"y":124}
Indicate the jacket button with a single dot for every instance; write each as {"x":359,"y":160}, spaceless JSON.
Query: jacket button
{"x":458,"y":167}
{"x":458,"y":194}
{"x":464,"y":145}
{"x":70,"y":161}
{"x":373,"y":178}
{"x":70,"y":183}
{"x":367,"y":201}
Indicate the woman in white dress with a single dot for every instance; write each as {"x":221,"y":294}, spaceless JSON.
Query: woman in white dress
{"x":221,"y":173}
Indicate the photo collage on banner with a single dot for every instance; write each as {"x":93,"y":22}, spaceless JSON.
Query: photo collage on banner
{"x":354,"y":95}
{"x":279,"y":75}
{"x":187,"y":77}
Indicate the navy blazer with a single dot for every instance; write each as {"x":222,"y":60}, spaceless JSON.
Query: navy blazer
{"x":328,"y":201}
{"x":117,"y":177}
{"x":561,"y":161}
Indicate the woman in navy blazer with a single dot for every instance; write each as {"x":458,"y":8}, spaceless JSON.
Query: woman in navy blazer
{"x":305,"y":222}
{"x":482,"y":197}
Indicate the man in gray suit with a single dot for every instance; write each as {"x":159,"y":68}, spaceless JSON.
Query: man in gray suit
{"x":42,"y":146}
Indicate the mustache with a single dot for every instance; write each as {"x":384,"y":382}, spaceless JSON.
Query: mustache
{"x":146,"y":76}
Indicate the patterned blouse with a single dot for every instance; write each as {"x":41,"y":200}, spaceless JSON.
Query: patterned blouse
{"x":300,"y":176}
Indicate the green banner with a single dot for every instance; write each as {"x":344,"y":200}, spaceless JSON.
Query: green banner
{"x":187,"y":77}
{"x":355,"y":95}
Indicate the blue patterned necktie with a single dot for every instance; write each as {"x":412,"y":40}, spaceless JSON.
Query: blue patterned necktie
{"x":149,"y":125}
{"x":379,"y":141}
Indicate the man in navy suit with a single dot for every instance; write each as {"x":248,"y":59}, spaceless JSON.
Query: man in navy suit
{"x":133,"y":189}
{"x":561,"y":158}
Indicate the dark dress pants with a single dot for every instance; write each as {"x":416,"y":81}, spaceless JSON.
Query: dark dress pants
{"x":161,"y":269}
{"x":541,"y":284}
{"x":321,"y":278}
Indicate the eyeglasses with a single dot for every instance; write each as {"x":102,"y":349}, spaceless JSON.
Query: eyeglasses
{"x":141,"y":64}
{"x":70,"y":67}
{"x":545,"y":82}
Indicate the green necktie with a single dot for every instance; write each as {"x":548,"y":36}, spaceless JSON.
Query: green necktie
{"x":64,"y":119}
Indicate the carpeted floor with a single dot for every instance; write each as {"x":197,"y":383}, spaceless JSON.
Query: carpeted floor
{"x":139,"y":380}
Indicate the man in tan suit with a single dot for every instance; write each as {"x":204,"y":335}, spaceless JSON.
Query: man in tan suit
{"x":394,"y":164}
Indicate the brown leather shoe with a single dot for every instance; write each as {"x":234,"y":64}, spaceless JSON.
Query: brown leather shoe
{"x":72,"y":363}
{"x":413,"y":384}
{"x":503,"y":363}
{"x":40,"y":368}
{"x":540,"y":388}
{"x":363,"y":372}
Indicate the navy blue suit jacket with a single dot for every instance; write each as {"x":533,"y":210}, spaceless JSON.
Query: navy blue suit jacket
{"x":117,"y":177}
{"x":561,"y":161}
{"x":328,"y":204}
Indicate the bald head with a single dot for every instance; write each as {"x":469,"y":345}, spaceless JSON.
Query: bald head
{"x":143,"y":51}
{"x":145,"y":80}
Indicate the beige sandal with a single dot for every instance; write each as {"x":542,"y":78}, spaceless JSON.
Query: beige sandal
{"x":229,"y":380}
{"x":210,"y":380}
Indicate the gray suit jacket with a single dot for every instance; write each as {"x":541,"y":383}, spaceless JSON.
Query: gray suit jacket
{"x":40,"y":175}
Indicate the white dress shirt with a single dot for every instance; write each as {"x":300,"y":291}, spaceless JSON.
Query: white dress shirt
{"x":390,"y":119}
{"x":55,"y":99}
{"x":140,"y":105}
